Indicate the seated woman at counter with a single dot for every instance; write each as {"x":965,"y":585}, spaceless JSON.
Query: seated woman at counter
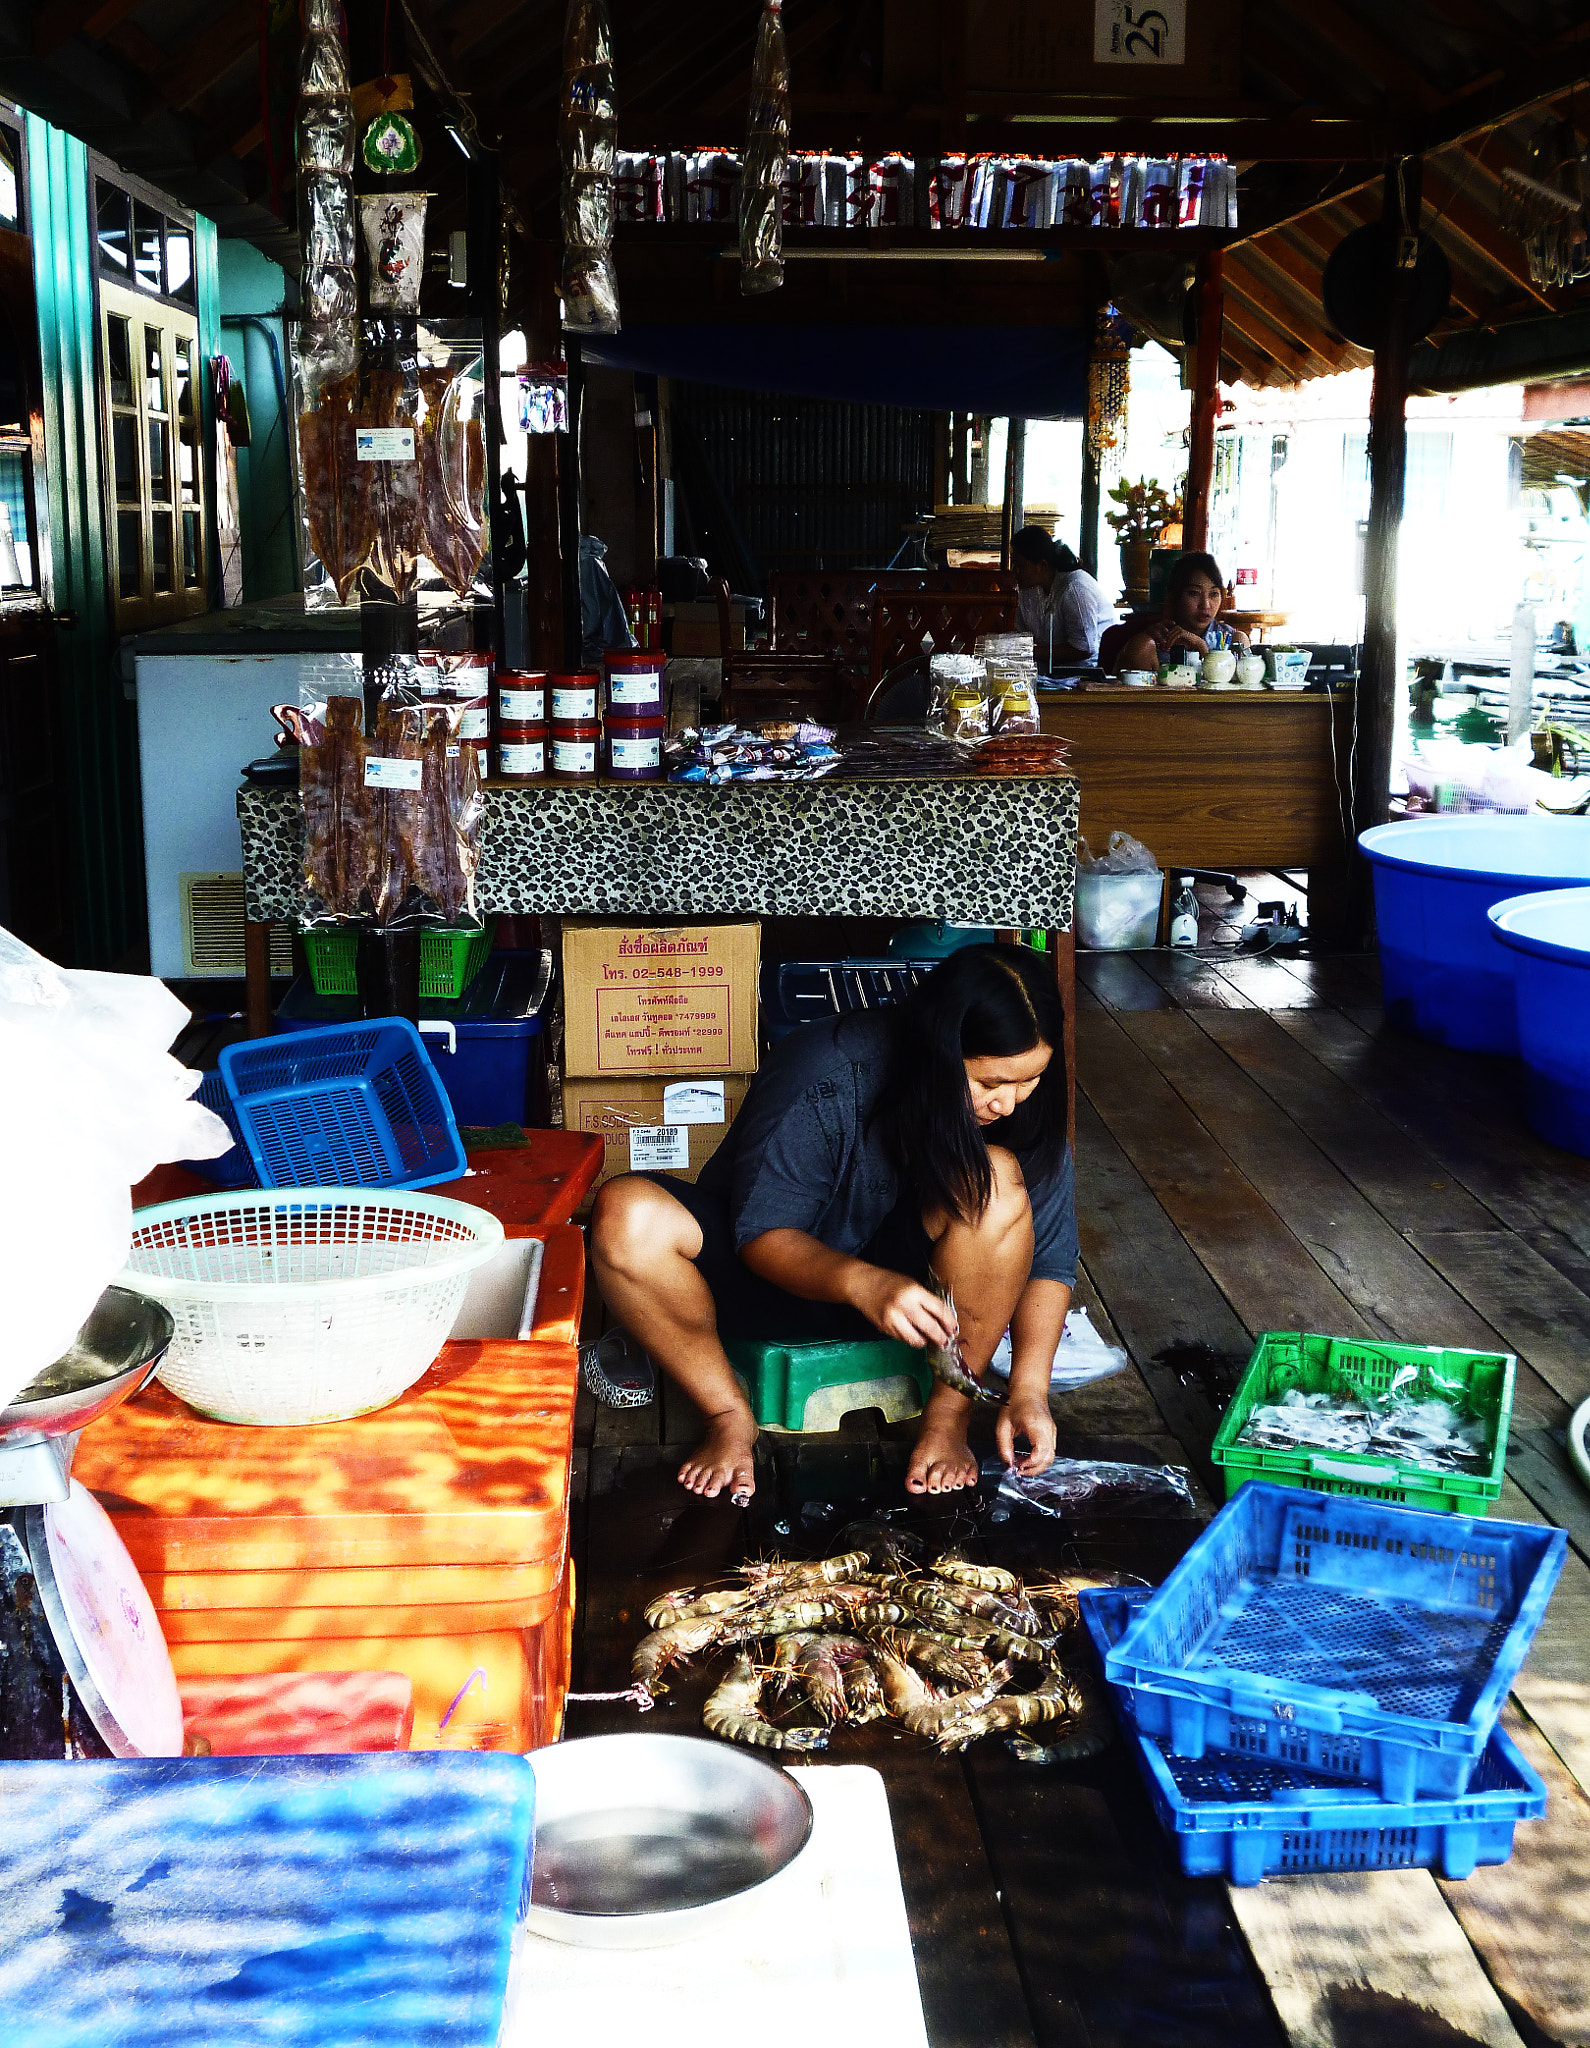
{"x":1058,"y":602}
{"x":1194,"y":594}
{"x":876,"y":1159}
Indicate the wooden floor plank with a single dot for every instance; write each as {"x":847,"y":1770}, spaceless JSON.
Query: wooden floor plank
{"x":1554,"y":1686}
{"x":1270,"y":982}
{"x":1529,"y":1919}
{"x":1397,"y":1292}
{"x":1119,"y":981}
{"x":1375,"y":1957}
{"x":1193,"y":981}
{"x":1538,"y":1313}
{"x":1262,"y":1268}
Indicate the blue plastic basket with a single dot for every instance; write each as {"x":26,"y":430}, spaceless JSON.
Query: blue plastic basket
{"x":1360,"y":1640}
{"x":232,"y":1169}
{"x":347,"y":1105}
{"x":1244,"y":1819}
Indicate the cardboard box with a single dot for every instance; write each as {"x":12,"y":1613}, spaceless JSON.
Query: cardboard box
{"x":662,"y":1001}
{"x":671,"y":1126}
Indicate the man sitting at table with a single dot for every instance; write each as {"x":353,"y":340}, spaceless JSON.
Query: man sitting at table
{"x":1189,"y":620}
{"x":1059,"y":603}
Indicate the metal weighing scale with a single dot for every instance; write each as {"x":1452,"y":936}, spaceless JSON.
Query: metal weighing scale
{"x":84,"y":1669}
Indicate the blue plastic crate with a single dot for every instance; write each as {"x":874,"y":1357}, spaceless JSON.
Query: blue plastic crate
{"x":344,"y":1105}
{"x":232,"y":1169}
{"x":263,"y":1902}
{"x":797,"y":992}
{"x":1362,"y":1640}
{"x":1244,"y":1819}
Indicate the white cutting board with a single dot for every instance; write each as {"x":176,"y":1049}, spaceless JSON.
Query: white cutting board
{"x":824,"y":1958}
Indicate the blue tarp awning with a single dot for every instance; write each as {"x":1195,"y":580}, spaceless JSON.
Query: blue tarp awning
{"x":1019,"y":372}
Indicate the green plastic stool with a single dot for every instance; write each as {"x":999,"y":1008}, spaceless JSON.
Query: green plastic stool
{"x":812,"y":1387}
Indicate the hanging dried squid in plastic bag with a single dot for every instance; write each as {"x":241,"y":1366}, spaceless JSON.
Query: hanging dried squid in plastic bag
{"x":766,"y":158}
{"x":430,"y":824}
{"x":339,"y":506}
{"x":395,"y":482}
{"x":451,"y":452}
{"x":340,"y":837}
{"x":588,"y":150}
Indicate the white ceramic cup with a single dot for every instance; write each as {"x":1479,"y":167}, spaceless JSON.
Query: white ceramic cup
{"x":1138,"y":678}
{"x":1250,"y":671}
{"x":1219,"y":666}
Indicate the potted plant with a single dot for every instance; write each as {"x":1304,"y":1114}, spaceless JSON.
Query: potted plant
{"x":1147,"y":509}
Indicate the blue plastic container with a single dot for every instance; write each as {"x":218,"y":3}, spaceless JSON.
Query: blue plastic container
{"x":343,"y":1105}
{"x":484,"y":1061}
{"x":1361,"y":1640}
{"x":232,"y":1169}
{"x":1548,"y":938}
{"x":1444,"y":975}
{"x":1244,"y":1819}
{"x":231,"y":1902}
{"x":797,"y":992}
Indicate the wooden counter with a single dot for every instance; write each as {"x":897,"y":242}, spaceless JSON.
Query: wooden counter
{"x":1240,"y":779}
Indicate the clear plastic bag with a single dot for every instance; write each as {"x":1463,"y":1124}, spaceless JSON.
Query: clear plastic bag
{"x":1124,"y":855}
{"x":958,"y":696}
{"x":1073,"y":1488}
{"x":1080,"y":1357}
{"x":588,"y":148}
{"x":766,"y":159}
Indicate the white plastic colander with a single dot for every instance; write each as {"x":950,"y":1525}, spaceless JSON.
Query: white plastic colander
{"x":300,"y":1305}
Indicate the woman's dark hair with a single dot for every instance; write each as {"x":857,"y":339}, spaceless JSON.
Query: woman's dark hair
{"x":1185,"y":568}
{"x":1036,"y":544}
{"x":982,"y":1002}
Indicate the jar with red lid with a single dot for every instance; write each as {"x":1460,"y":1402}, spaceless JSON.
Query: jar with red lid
{"x":633,"y":683}
{"x":521,"y":696}
{"x":521,"y":751}
{"x":574,"y":750}
{"x":575,"y":700}
{"x":632,"y":749}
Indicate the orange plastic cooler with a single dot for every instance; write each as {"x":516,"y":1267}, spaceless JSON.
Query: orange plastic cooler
{"x":429,"y":1539}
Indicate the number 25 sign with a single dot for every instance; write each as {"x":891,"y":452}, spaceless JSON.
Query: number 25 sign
{"x":1152,"y":33}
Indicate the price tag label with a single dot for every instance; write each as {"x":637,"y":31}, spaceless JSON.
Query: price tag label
{"x":694,"y":1102}
{"x":1149,"y":33}
{"x":382,"y":772}
{"x":384,"y":444}
{"x":655,"y":1145}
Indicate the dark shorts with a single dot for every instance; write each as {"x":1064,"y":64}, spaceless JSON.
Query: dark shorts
{"x":751,"y":1307}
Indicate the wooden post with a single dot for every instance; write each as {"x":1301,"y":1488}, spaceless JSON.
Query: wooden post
{"x":1388,"y":464}
{"x":1015,"y":485}
{"x":571,"y":510}
{"x":961,"y":460}
{"x":941,"y":458}
{"x":1205,"y":399}
{"x":543,"y":546}
{"x":981,"y":425}
{"x":1088,"y":538}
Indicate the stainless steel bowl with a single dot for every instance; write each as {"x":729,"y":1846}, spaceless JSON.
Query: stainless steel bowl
{"x":113,"y":1355}
{"x":642,"y":1840}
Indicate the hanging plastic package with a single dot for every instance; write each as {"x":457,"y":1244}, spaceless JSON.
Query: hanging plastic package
{"x":327,"y":343}
{"x":588,"y":148}
{"x":394,"y":244}
{"x":766,"y":158}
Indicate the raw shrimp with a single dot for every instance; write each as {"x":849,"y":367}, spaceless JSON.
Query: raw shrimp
{"x":954,"y":1603}
{"x":960,"y":1667}
{"x":863,"y":1691}
{"x":913,"y":1703}
{"x":948,"y":1363}
{"x":776,"y":1573}
{"x":791,"y":1617}
{"x":982,"y":1578}
{"x":688,"y":1604}
{"x":1055,"y":1697}
{"x":734,"y":1712}
{"x":654,"y":1653}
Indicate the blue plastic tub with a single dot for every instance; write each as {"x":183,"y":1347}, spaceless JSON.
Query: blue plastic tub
{"x":1444,"y":975}
{"x":484,"y":1060}
{"x":1243,"y":1818}
{"x":1548,"y":938}
{"x":263,"y":1902}
{"x":1361,"y":1640}
{"x":343,"y":1106}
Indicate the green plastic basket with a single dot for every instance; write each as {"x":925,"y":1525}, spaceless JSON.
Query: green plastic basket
{"x":811,"y":1386}
{"x":1286,"y":1359}
{"x":449,"y":960}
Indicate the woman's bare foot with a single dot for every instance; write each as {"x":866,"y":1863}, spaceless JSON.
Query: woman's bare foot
{"x":941,"y":1462}
{"x":723,"y":1458}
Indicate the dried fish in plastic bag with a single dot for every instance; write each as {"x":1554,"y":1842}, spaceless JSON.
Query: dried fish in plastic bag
{"x":429,"y":809}
{"x":766,"y":158}
{"x":340,"y":840}
{"x":452,"y":481}
{"x":588,"y":148}
{"x":339,"y":509}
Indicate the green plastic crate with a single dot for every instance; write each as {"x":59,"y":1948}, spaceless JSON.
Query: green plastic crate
{"x":449,"y":960}
{"x":812,"y":1386}
{"x":1286,"y":1359}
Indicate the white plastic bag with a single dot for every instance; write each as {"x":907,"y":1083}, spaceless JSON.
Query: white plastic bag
{"x":1082,"y":1355}
{"x":91,"y":1102}
{"x":1123,"y":856}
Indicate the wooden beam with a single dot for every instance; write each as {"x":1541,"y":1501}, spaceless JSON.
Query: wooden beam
{"x":1545,"y":74}
{"x":1290,"y":354}
{"x":1481,"y":232}
{"x":92,"y":18}
{"x":1211,"y":304}
{"x":1281,"y":312}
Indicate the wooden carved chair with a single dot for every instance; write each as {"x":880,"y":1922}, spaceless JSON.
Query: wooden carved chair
{"x":763,"y":682}
{"x":910,"y":622}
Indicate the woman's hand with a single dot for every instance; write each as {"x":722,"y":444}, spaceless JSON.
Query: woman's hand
{"x":1026,"y":1416}
{"x":902,"y":1308}
{"x":1167,"y":635}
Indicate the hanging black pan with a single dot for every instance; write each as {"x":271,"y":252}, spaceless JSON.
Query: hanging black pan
{"x":1358,"y":281}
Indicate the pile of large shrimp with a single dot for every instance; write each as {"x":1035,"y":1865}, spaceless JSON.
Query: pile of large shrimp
{"x":952,"y":1652}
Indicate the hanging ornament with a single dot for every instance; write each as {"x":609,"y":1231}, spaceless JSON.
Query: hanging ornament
{"x":766,"y":159}
{"x":1109,"y":380}
{"x":391,"y":147}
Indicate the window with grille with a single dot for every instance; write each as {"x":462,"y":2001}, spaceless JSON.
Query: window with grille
{"x":149,"y":370}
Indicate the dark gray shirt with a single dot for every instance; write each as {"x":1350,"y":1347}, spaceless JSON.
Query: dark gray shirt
{"x":804,"y":1153}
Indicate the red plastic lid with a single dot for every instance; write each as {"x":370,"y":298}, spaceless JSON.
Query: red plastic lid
{"x":585,"y":679}
{"x":634,"y":728}
{"x":575,"y":729}
{"x":641,"y":658}
{"x":507,"y":677}
{"x":524,"y":731}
